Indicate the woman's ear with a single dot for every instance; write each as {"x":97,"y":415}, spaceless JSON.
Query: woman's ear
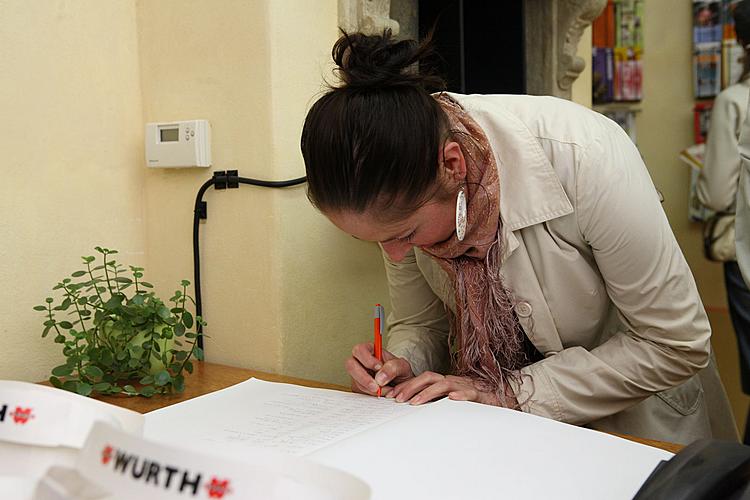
{"x":454,"y":163}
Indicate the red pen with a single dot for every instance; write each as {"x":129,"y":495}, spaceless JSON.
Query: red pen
{"x":378,"y":332}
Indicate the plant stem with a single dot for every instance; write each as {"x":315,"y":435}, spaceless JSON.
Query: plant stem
{"x":106,"y":274}
{"x":49,"y":315}
{"x":93,"y":280}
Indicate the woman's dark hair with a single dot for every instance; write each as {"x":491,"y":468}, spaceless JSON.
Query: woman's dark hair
{"x":741,"y":16}
{"x":373,"y":140}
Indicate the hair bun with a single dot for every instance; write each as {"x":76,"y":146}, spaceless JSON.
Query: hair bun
{"x":376,"y":61}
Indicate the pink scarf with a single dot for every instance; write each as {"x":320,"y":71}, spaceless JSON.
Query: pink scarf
{"x":485,"y":333}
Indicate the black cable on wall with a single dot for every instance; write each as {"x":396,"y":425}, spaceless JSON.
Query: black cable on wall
{"x":221,"y":180}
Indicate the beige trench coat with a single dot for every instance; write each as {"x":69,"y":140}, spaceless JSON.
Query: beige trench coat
{"x":601,"y":287}
{"x":718,"y":180}
{"x":742,"y":221}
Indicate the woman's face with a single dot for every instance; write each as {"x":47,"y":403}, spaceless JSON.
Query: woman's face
{"x":432,"y":223}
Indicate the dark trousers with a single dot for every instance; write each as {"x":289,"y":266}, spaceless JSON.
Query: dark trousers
{"x":738,"y":297}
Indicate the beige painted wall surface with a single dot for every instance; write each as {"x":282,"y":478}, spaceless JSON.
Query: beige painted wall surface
{"x":581,"y":91}
{"x":70,"y":137}
{"x":329,"y":281}
{"x":211,"y":60}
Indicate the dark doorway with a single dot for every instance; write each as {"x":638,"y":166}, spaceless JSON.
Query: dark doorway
{"x":481,"y":42}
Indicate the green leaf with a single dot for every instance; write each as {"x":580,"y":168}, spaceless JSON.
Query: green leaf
{"x":179,"y":330}
{"x":83,"y":388}
{"x":46,"y":330}
{"x":146,"y":284}
{"x":102,"y":386}
{"x":56,"y":382}
{"x":121,"y":279}
{"x":59,"y":339}
{"x":65,"y":324}
{"x":148,"y":379}
{"x":147,"y":391}
{"x":40,"y":308}
{"x":179,"y":383}
{"x":107,"y":358}
{"x":187,"y":319}
{"x":189,"y":366}
{"x":48,"y":300}
{"x":198,"y":354}
{"x":70,"y":385}
{"x":82,"y":301}
{"x":180,"y":355}
{"x":78,"y":274}
{"x":130,"y":389}
{"x":115,"y":301}
{"x":62,"y":370}
{"x":163,"y":312}
{"x":93,"y":371}
{"x":162,"y":378}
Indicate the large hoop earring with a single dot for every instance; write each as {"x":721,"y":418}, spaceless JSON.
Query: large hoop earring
{"x":461,"y":215}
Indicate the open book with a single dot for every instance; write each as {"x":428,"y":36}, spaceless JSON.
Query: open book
{"x":446,"y":449}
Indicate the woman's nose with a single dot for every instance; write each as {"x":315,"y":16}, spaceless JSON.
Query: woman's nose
{"x":396,"y":250}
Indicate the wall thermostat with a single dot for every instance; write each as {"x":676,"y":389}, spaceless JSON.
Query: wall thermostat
{"x":178,"y":144}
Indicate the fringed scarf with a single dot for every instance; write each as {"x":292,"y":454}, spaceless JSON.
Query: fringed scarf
{"x":487,"y":339}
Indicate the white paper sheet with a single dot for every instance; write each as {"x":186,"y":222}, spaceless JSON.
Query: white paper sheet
{"x":281,"y":417}
{"x":442,"y":450}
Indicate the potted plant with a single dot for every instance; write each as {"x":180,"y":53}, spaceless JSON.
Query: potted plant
{"x":118,"y":337}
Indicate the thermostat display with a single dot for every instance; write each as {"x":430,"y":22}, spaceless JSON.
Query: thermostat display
{"x":178,"y":144}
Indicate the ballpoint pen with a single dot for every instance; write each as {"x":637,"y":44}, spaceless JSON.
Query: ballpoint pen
{"x":378,"y":333}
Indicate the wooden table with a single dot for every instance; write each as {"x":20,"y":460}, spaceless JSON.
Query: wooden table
{"x":210,"y":377}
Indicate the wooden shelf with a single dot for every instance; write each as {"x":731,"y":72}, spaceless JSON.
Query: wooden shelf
{"x":634,"y":106}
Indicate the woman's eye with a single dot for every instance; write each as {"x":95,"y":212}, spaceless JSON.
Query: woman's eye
{"x":408,"y":238}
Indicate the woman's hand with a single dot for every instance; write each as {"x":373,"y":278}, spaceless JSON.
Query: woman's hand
{"x":368,"y":373}
{"x":430,"y":385}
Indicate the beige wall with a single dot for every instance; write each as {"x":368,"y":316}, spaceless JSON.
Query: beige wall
{"x":283,"y":289}
{"x":581,"y":91}
{"x":70,"y":137}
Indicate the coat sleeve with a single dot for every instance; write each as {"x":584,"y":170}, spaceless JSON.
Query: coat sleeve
{"x":742,"y":221}
{"x":717,"y":181}
{"x":417,"y":323}
{"x":665,"y":338}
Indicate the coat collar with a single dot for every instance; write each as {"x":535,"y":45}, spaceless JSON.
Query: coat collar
{"x":530,"y":190}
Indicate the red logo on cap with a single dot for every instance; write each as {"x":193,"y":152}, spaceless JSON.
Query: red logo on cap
{"x":106,"y":454}
{"x":22,"y":415}
{"x":217,"y":489}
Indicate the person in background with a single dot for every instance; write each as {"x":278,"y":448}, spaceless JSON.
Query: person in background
{"x":718,"y":183}
{"x":529,"y":261}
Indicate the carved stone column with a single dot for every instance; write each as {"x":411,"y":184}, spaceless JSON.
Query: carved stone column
{"x":553,"y":29}
{"x":366,"y":16}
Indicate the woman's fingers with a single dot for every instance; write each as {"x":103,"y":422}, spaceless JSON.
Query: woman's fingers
{"x":393,"y":370}
{"x":362,"y":365}
{"x":449,"y":385}
{"x":406,"y":390}
{"x":362,"y":380}
{"x":365,"y":354}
